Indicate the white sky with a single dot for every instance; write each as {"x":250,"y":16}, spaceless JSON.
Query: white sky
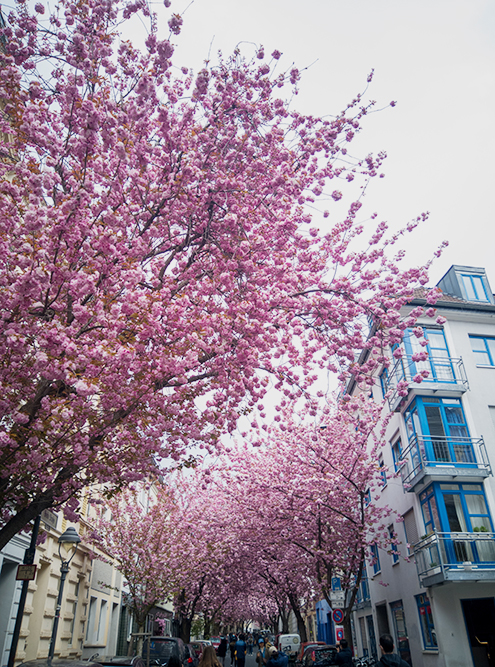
{"x":436,"y":58}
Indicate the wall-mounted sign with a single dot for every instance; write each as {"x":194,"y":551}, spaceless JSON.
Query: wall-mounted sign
{"x":338,"y":616}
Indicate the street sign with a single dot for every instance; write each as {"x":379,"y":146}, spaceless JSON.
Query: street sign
{"x":336,"y":585}
{"x":337,"y":596}
{"x":50,"y":519}
{"x":339,"y":633}
{"x":338,"y":616}
{"x":26,"y":572}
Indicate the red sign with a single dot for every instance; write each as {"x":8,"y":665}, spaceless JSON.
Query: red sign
{"x":26,"y":572}
{"x":338,"y":616}
{"x":339,"y":633}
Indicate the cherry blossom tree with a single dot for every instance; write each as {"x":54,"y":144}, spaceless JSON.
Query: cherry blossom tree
{"x":144,"y":542}
{"x":157,"y":259}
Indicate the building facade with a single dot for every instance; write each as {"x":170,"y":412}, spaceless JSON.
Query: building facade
{"x":434,"y":589}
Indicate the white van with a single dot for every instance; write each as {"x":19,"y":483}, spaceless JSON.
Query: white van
{"x":290,"y":645}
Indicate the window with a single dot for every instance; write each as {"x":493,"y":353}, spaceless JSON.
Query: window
{"x":474,"y":287}
{"x":396,"y":452}
{"x":484,"y":350}
{"x":383,"y":472}
{"x":426,"y":622}
{"x":367,"y":498}
{"x":456,"y":508}
{"x":384,"y":381}
{"x":394,"y":550}
{"x":439,"y":363}
{"x":375,"y":559}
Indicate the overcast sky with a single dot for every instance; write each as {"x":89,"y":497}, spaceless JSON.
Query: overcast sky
{"x":436,"y":58}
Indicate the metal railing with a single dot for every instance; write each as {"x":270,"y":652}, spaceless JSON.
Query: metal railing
{"x":429,"y":452}
{"x":454,"y":554}
{"x":441,"y":370}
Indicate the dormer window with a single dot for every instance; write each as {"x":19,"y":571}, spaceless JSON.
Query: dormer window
{"x":475,"y":289}
{"x":469,"y":283}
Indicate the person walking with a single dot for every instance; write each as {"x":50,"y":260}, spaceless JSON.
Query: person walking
{"x":232,"y":652}
{"x":344,"y":656}
{"x":209,"y":658}
{"x":240,"y":650}
{"x":250,"y":644}
{"x":261,"y":652}
{"x":389,"y":658}
{"x":222,"y":651}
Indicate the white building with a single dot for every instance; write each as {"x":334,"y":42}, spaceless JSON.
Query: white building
{"x":439,"y":606}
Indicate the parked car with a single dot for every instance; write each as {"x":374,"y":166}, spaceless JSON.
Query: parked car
{"x":163,"y":648}
{"x":198,"y":646}
{"x":289,"y":644}
{"x":304,"y":646}
{"x":58,"y":662}
{"x":215,"y":642}
{"x":192,"y":659}
{"x":320,"y":656}
{"x":119,"y":660}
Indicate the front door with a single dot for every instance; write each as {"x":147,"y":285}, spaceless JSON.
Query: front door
{"x":479,"y":616}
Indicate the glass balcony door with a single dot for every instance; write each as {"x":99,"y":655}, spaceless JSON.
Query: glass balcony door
{"x":440,"y":429}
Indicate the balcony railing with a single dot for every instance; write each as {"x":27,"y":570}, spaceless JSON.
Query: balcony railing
{"x":455,"y":557}
{"x":443,"y":457}
{"x":441,"y":370}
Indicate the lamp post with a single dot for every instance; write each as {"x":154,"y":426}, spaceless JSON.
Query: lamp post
{"x":70,"y":538}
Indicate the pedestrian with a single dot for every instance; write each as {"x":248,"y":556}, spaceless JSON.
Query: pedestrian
{"x":389,"y":658}
{"x":240,"y":650}
{"x":209,"y":658}
{"x":222,"y":650}
{"x":261,"y":652}
{"x":232,"y":652}
{"x":344,"y":656}
{"x":250,"y":644}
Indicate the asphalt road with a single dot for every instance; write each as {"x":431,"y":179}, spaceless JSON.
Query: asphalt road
{"x":250,"y":660}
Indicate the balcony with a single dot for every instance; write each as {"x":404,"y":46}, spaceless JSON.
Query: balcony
{"x":445,"y":375}
{"x":443,"y":459}
{"x":455,"y":557}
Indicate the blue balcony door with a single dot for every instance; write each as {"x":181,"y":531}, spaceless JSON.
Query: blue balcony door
{"x":440,"y":425}
{"x":438,"y":363}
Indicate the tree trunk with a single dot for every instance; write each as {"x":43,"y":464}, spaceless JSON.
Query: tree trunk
{"x":185,"y":629}
{"x":207,"y":627}
{"x":301,"y":626}
{"x":284,"y":617}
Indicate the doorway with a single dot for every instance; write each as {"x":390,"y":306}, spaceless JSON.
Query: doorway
{"x":479,"y":616}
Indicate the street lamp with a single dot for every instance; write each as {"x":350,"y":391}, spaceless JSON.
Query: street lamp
{"x":69,"y":541}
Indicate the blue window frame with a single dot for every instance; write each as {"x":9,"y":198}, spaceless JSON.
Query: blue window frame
{"x":426,"y":622}
{"x":394,"y":551}
{"x":363,"y":594}
{"x":437,"y":429}
{"x":438,"y":364}
{"x":383,"y":471}
{"x":484,"y":350}
{"x":384,"y":381}
{"x":474,"y":287}
{"x":375,"y":559}
{"x":396,"y":453}
{"x":454,"y":509}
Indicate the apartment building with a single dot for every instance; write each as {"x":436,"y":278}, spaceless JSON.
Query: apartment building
{"x":434,"y":592}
